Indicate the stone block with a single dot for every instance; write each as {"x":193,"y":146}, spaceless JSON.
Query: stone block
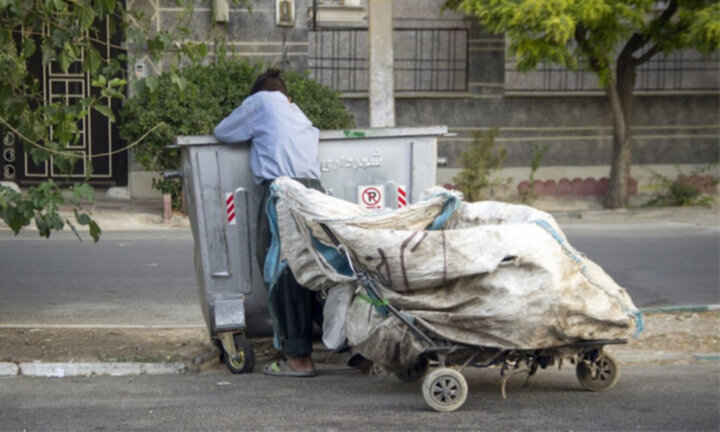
{"x":550,"y":188}
{"x":538,"y":188}
{"x":63,"y":370}
{"x":590,"y":187}
{"x":603,"y":186}
{"x":576,"y":187}
{"x":8,"y":369}
{"x":523,"y":187}
{"x":564,"y":187}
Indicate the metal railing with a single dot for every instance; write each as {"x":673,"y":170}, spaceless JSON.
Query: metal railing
{"x":425,"y":59}
{"x":681,"y":71}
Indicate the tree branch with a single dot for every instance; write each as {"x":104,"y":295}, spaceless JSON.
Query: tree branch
{"x":639,"y":40}
{"x":585,"y":47}
{"x":635,"y":43}
{"x":637,"y":61}
{"x":76,"y":155}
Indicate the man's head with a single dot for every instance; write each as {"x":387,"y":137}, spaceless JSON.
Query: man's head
{"x":269,"y":81}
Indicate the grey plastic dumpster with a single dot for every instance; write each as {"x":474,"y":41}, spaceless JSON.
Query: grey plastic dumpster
{"x":377,"y":168}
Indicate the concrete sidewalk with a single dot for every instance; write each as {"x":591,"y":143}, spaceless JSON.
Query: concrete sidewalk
{"x":145,"y":214}
{"x":125,"y":214}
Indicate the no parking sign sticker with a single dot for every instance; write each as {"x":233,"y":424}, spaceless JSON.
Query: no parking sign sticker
{"x":371,"y":197}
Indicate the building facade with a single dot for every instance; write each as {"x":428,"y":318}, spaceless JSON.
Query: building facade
{"x":448,"y":71}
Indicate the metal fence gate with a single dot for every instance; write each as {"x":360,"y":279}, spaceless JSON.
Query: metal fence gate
{"x":97,"y":134}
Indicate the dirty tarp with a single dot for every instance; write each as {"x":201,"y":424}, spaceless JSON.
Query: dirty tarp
{"x":486,"y":274}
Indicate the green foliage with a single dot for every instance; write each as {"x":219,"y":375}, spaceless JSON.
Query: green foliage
{"x":538,"y":154}
{"x":320,"y":104}
{"x":610,"y":38}
{"x":41,"y":205}
{"x":587,"y":33}
{"x":68,"y":33}
{"x":211,"y":92}
{"x":703,"y":29}
{"x":479,"y":161}
{"x":681,"y":191}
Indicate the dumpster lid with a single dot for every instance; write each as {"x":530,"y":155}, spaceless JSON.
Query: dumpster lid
{"x":390,"y":132}
{"x":356,"y":133}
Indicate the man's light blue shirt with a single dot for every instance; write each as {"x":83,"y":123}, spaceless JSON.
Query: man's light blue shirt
{"x":284,"y":141}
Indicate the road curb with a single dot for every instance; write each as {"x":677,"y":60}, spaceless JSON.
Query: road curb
{"x":707,"y":358}
{"x":62,"y":370}
{"x":637,"y":359}
{"x":8,"y":369}
{"x":680,"y":309}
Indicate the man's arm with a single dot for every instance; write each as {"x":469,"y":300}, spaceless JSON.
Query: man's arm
{"x":237,"y":126}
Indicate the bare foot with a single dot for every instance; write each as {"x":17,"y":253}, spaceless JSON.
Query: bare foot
{"x":301,"y":364}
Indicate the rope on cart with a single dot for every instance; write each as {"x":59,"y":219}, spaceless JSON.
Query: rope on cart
{"x":373,"y":301}
{"x":451,"y":204}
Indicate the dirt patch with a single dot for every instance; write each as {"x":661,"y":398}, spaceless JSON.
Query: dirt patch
{"x":697,"y":333}
{"x":674,"y":338}
{"x":111,"y":345}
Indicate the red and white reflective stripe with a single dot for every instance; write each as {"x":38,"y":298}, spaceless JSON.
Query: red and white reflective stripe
{"x":402,"y":197}
{"x":230,"y":207}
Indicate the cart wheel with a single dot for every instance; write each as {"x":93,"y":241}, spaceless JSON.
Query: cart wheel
{"x":445,"y":389}
{"x":245,"y":359}
{"x":416,"y":371}
{"x":601,"y":376}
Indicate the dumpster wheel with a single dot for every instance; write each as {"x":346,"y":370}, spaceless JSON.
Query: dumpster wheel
{"x":238,"y":355}
{"x":445,"y":389}
{"x":601,"y":375}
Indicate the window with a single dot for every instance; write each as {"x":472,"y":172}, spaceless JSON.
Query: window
{"x":425,"y":59}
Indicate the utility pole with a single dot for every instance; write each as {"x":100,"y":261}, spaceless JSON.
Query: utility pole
{"x":382,"y":87}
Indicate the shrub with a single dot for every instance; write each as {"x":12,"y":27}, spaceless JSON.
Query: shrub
{"x":479,"y":161}
{"x":538,"y":154}
{"x":681,"y":191}
{"x":196,"y":98}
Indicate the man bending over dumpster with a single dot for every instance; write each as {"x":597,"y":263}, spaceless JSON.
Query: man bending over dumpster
{"x":283,"y":143}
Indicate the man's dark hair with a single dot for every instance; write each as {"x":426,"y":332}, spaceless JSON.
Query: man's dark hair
{"x":269,"y":81}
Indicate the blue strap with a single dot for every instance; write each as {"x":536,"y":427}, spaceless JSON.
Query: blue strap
{"x":639,"y":323}
{"x":273,"y":267}
{"x":336,"y":260}
{"x":451,"y":204}
{"x":272,"y":259}
{"x":272,"y":291}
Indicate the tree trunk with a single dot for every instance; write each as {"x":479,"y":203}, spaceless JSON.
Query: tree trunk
{"x":620,"y":95}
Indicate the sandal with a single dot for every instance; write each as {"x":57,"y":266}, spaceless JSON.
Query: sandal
{"x":281,"y":368}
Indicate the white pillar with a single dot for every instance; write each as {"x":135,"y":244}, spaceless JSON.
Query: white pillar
{"x":382,"y":88}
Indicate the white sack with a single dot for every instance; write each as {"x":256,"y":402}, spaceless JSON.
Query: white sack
{"x":497,"y":275}
{"x":335,"y":313}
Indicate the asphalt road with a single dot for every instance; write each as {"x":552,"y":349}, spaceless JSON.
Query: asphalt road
{"x":139,"y":277}
{"x":148,"y":277}
{"x":660,"y":264}
{"x":649,"y":398}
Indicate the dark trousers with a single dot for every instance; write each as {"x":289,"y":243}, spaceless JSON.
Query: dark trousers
{"x":294,"y":307}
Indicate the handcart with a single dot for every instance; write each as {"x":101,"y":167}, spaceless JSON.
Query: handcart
{"x":445,"y":389}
